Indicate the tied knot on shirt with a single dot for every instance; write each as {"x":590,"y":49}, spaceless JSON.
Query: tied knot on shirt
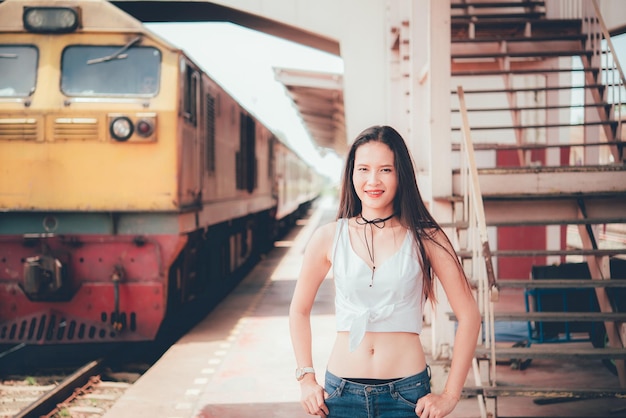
{"x":359,"y":326}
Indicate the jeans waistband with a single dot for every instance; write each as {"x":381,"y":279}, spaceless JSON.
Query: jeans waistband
{"x":400,"y":384}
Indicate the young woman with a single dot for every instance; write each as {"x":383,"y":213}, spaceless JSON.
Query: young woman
{"x":385,"y":248}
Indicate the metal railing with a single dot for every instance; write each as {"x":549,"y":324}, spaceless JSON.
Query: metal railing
{"x":610,"y":74}
{"x":478,"y":243}
{"x":611,"y":70}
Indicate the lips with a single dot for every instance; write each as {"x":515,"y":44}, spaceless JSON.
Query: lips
{"x":374,"y":193}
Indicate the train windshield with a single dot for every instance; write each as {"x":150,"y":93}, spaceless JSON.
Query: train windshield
{"x":18,"y":70}
{"x":93,"y":70}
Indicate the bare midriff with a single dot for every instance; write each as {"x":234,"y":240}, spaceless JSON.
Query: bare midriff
{"x":381,"y":355}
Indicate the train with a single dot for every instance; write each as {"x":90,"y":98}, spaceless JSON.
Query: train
{"x":132,"y":184}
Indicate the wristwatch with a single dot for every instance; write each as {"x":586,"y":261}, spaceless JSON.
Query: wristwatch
{"x":300,"y":372}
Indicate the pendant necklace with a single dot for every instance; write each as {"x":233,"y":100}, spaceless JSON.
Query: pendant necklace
{"x":378,"y":223}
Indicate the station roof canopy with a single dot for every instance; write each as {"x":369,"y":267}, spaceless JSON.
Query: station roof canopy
{"x":318,"y":97}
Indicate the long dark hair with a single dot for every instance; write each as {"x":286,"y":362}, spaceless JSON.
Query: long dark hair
{"x":409,"y":208}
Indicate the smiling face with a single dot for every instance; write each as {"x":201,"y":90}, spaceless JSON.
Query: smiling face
{"x":375,"y":179}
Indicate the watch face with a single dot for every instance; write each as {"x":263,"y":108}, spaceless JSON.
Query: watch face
{"x":301,"y":372}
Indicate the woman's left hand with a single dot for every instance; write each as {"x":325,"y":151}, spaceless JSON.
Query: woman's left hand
{"x":435,"y":406}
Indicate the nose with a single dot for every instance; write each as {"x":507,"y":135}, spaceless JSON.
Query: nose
{"x":372,"y":178}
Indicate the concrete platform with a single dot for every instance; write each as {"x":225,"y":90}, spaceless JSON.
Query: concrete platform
{"x":238,"y":361}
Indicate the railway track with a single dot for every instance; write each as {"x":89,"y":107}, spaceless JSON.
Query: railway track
{"x":88,"y":391}
{"x":46,"y":404}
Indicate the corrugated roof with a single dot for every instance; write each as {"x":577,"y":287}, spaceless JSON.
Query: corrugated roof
{"x":318,"y":97}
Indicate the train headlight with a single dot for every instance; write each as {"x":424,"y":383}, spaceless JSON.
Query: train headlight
{"x":121,"y":128}
{"x":50,"y":19}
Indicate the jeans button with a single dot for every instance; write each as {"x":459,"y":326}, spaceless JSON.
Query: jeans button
{"x":368,"y":389}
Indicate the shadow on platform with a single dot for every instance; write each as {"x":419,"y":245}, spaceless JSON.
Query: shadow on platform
{"x":266,"y":410}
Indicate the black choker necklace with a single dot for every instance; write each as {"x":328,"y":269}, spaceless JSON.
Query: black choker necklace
{"x":378,"y":223}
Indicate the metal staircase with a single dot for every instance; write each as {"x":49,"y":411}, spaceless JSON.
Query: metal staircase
{"x":526,"y":170}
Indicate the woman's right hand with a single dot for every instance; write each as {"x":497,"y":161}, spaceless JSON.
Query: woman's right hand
{"x":313,"y":396}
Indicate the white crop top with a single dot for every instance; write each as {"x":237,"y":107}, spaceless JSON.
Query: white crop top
{"x":395,"y":301}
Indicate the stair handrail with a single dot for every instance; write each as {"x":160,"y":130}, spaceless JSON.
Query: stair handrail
{"x":611,"y":68}
{"x":475,"y":194}
{"x":488,"y":291}
{"x":607,"y":38}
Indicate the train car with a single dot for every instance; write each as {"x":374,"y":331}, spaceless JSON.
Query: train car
{"x":131,"y":184}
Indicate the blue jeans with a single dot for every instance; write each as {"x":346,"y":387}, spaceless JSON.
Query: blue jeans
{"x":391,"y":400}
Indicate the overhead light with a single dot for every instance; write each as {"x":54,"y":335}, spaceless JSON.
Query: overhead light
{"x":50,"y":19}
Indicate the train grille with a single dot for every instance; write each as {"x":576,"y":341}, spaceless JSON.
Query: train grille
{"x":22,"y":129}
{"x":54,"y":327}
{"x":81,"y":129}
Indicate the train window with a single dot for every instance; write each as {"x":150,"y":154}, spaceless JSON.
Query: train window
{"x":210,"y":133}
{"x":270,"y":157}
{"x":94,"y":70}
{"x":18,"y":70}
{"x":246,"y":157}
{"x":190,"y":96}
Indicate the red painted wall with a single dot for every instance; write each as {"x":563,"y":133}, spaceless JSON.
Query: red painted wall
{"x":524,"y":237}
{"x":519,"y":237}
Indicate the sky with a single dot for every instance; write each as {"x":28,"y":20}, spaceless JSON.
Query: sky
{"x":242,"y":61}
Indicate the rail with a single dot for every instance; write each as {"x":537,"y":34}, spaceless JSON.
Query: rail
{"x":478,"y":243}
{"x":611,"y":73}
{"x":48,"y":401}
{"x":612,"y":76}
{"x":613,"y":70}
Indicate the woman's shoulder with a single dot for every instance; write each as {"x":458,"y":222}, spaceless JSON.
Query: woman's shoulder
{"x":325,"y":234}
{"x":328,"y":230}
{"x":322,"y":238}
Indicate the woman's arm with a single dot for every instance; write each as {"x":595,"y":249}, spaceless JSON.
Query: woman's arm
{"x":315,"y":267}
{"x":450,"y":274}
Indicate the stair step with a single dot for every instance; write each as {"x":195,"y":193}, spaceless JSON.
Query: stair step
{"x":557,"y":209}
{"x":523,"y":54}
{"x":560,"y":283}
{"x":531,"y":89}
{"x":490,"y":28}
{"x":548,"y":181}
{"x":486,"y":146}
{"x":556,"y":351}
{"x":485,"y":48}
{"x":549,"y":392}
{"x":581,"y":169}
{"x":497,"y":4}
{"x":549,"y":253}
{"x":534,"y":220}
{"x":521,"y":71}
{"x":544,"y":125}
{"x":516,"y":66}
{"x":500,"y":17}
{"x":554,"y":316}
{"x":516,"y":39}
{"x":523,"y":108}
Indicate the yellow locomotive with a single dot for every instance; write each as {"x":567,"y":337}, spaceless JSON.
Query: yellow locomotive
{"x":131,"y":183}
